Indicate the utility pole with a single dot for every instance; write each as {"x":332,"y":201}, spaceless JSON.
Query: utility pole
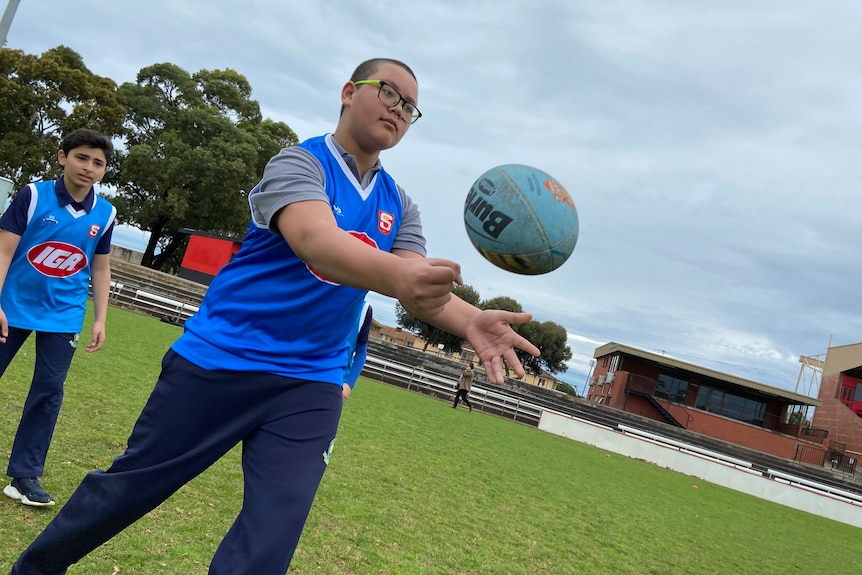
{"x":6,"y":22}
{"x":587,"y":382}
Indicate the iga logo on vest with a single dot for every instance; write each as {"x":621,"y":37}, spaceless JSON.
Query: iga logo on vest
{"x":57,"y":259}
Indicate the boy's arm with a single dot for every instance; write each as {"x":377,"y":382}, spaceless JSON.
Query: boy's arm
{"x":100,"y":272}
{"x":8,"y":244}
{"x":422,"y":285}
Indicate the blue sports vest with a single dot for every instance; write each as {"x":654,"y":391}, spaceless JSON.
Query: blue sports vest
{"x":47,"y":284}
{"x":267,"y":311}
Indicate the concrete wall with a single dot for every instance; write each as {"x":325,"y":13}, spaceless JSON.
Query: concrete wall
{"x":126,"y":255}
{"x":734,"y":476}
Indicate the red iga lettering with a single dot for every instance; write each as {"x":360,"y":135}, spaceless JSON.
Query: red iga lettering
{"x":57,"y":259}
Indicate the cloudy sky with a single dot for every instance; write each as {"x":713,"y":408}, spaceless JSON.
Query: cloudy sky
{"x":712,"y":148}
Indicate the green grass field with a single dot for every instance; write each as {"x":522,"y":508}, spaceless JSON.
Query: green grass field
{"x":415,"y":487}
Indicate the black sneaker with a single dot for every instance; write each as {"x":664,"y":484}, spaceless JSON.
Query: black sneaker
{"x":28,"y":491}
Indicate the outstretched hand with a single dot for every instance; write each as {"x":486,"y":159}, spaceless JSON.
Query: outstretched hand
{"x":492,"y":337}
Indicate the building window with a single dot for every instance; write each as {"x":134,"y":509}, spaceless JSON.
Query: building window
{"x":671,"y":388}
{"x":730,"y":405}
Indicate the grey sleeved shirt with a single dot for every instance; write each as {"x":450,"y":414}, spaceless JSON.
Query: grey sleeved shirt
{"x":295,"y":175}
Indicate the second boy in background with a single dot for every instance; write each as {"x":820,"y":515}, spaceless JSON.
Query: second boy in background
{"x":55,"y":237}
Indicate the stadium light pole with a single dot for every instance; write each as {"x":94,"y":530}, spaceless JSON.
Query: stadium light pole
{"x":6,"y":22}
{"x":589,"y":373}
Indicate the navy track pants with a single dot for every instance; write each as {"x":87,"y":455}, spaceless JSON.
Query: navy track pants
{"x":54,"y":352}
{"x":192,"y":418}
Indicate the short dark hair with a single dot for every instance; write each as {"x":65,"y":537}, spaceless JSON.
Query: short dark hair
{"x":368,"y":67}
{"x":365,"y":69}
{"x":89,"y":139}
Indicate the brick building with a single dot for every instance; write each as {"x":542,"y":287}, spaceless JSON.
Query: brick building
{"x":840,"y":394}
{"x":706,"y":401}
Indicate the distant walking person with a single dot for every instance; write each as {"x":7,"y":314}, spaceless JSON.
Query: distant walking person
{"x":464,"y":385}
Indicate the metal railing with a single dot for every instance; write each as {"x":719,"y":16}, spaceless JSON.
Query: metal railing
{"x":809,"y":454}
{"x":642,"y":384}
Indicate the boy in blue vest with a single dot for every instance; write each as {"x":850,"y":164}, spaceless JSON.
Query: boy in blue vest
{"x":55,"y":237}
{"x":263,"y":361}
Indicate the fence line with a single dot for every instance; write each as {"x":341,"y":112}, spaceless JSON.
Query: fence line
{"x":430,"y":383}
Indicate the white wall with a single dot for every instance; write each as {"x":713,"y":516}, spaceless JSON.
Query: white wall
{"x":733,"y":474}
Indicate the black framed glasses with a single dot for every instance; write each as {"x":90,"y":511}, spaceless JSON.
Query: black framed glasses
{"x":391,"y":97}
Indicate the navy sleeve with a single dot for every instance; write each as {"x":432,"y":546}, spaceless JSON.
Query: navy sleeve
{"x":15,"y":218}
{"x":365,"y":330}
{"x":104,"y":245}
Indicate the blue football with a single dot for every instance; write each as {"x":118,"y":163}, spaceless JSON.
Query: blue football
{"x":521,"y":219}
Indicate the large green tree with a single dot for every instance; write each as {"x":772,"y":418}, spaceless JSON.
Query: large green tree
{"x":432,"y":335}
{"x":42,"y":98}
{"x":548,"y":336}
{"x":567,"y":389}
{"x":196,"y":144}
{"x":502,"y":302}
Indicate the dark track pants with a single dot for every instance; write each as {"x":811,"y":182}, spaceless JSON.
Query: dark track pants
{"x":54,"y":352}
{"x":461,"y":395}
{"x":192,"y":418}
